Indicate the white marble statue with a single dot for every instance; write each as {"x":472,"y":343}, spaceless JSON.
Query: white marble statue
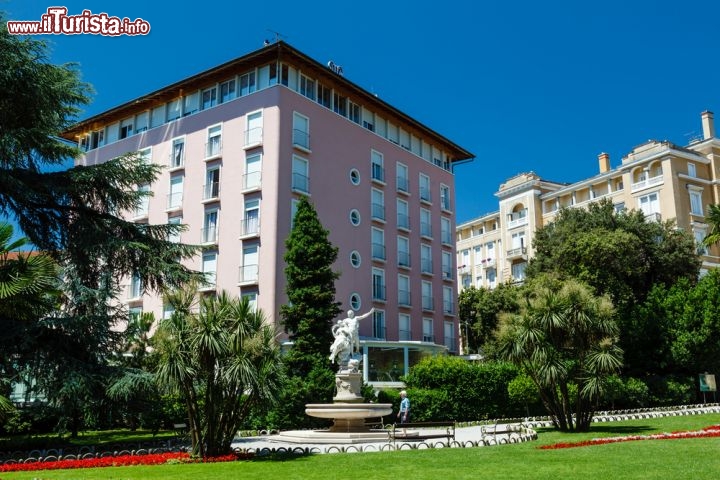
{"x":347,"y":338}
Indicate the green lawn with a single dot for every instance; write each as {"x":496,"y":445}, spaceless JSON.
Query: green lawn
{"x":666,"y":459}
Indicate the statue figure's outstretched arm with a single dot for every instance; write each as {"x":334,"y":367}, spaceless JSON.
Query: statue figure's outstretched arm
{"x":372,"y":310}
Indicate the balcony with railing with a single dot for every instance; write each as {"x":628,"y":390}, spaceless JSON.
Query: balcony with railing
{"x":646,"y":182}
{"x":403,"y":259}
{"x":404,"y":298}
{"x":378,"y":211}
{"x":251,"y":181}
{"x":451,"y":344}
{"x":427,"y":303}
{"x":428,"y":337}
{"x":176,"y":159}
{"x":447,"y":272}
{"x":300,"y":183}
{"x":253,"y":137}
{"x":301,"y":139}
{"x":426,"y":265}
{"x":653,"y":217}
{"x":174,"y":200}
{"x":377,"y":173}
{"x":211,"y":191}
{"x":248,"y":274}
{"x":402,"y":184}
{"x":378,"y":251}
{"x":404,"y":335}
{"x":213,"y":149}
{"x":209,"y":235}
{"x":517,"y":219}
{"x":448,"y":307}
{"x":425,"y":194}
{"x":250,"y":227}
{"x":426,"y":229}
{"x":403,"y":221}
{"x":519,"y":252}
{"x":379,"y":292}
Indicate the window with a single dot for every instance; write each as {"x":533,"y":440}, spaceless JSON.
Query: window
{"x":134,"y":314}
{"x":307,"y":87}
{"x":210,"y":224}
{"x":403,"y":216}
{"x":146,"y":155}
{"x":174,"y":237}
{"x":192,"y":103}
{"x":379,"y":324}
{"x":403,"y":290}
{"x":425,"y":223}
{"x":427,"y":297}
{"x":177,"y":156}
{"x":227,"y":91}
{"x":289,"y":76}
{"x":449,"y":331}
{"x":368,"y":118}
{"x":404,"y":332}
{"x":403,"y":251}
{"x":378,"y":244}
{"x":300,"y":180}
{"x":249,"y":269}
{"x":355,"y":217}
{"x":699,"y":234}
{"x":251,"y":222}
{"x":377,"y":204}
{"x":426,"y":258}
{"x":126,"y":128}
{"x":477,"y":258}
{"x":425,"y":194}
{"x":355,"y":259}
{"x":353,"y":111}
{"x":340,"y":104}
{"x":209,"y":267}
{"x":428,"y":330}
{"x":448,"y":303}
{"x":213,"y":148}
{"x":252,"y":176}
{"x":324,"y":95}
{"x":136,"y":287}
{"x":378,"y":284}
{"x":401,"y":179}
{"x":209,"y":98}
{"x":696,"y":207}
{"x":649,"y":204}
{"x":174,"y":108}
{"x":143,"y":208}
{"x":392,"y":133}
{"x":447,"y":271}
{"x":252,"y":300}
{"x":491,"y":277}
{"x":376,"y":166}
{"x":354,"y":176}
{"x":692,"y":171}
{"x":445,"y":197}
{"x":518,"y":271}
{"x":254,"y":132}
{"x":141,"y":122}
{"x":355,"y":301}
{"x":168,"y":311}
{"x":445,"y":231}
{"x":211,"y":190}
{"x":518,"y":240}
{"x":301,"y":131}
{"x":176,"y":192}
{"x":157,"y":116}
{"x":247,"y":83}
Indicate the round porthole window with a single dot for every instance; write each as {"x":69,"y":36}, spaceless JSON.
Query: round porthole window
{"x":354,"y":217}
{"x":355,"y":176}
{"x":355,"y":258}
{"x":355,"y":302}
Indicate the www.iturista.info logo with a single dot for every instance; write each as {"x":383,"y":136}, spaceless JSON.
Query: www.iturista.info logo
{"x":57,"y":21}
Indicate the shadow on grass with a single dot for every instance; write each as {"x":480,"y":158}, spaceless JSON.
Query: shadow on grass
{"x":607,"y":430}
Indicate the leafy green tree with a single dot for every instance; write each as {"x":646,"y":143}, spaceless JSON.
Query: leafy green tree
{"x":480,"y":309}
{"x":564,"y":338}
{"x":223,"y":358}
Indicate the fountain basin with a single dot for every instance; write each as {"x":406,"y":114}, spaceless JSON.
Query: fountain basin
{"x":348,"y":411}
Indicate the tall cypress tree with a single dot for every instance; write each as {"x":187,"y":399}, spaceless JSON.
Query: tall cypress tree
{"x":308,"y":319}
{"x":311,"y":307}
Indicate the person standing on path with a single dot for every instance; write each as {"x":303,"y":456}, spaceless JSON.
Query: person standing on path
{"x":404,"y":413}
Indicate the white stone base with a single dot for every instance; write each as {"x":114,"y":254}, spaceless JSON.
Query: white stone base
{"x":326,"y":436}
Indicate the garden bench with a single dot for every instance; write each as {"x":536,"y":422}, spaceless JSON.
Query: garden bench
{"x":500,"y":426}
{"x":181,"y":430}
{"x":441,"y":429}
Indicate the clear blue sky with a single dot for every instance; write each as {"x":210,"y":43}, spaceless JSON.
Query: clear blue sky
{"x":524,"y":85}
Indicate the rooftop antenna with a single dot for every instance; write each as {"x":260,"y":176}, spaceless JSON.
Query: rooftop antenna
{"x":278,"y":37}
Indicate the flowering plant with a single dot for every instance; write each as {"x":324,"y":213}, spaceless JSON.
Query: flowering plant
{"x":707,"y":432}
{"x":118,"y":461}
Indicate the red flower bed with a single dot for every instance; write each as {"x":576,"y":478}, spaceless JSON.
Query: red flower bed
{"x":118,"y":461}
{"x":707,"y":432}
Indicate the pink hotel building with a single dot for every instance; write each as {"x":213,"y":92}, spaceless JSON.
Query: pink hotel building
{"x":243,"y":141}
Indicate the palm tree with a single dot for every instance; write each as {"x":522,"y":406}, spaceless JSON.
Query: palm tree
{"x":222,"y":356}
{"x":28,"y":282}
{"x":713,"y":219}
{"x":564,"y":338}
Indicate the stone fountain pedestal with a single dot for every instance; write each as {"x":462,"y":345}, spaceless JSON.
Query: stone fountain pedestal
{"x":348,"y":412}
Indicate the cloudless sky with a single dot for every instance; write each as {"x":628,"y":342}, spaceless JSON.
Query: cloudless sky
{"x":525,"y":85}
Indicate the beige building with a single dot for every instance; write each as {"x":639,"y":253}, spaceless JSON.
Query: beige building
{"x":663,"y":180}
